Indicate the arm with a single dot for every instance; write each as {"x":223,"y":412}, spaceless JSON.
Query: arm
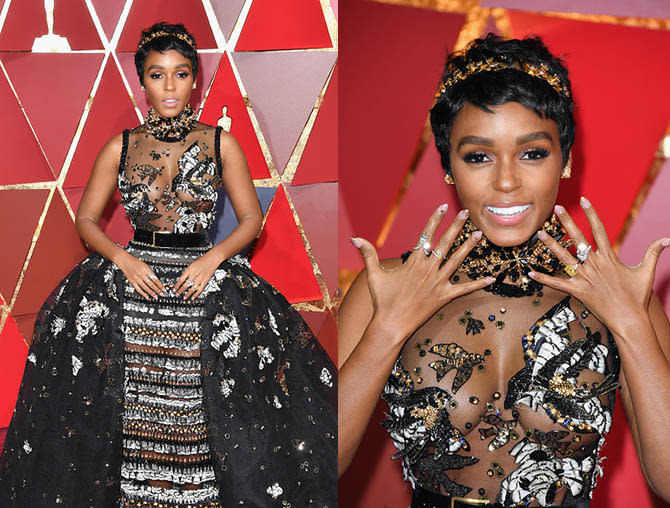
{"x":384,"y":306}
{"x":643,"y":358}
{"x":621,"y":297}
{"x":242,"y":194}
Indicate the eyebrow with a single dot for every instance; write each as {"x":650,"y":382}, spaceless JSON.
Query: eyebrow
{"x":521,"y":140}
{"x":156,"y":66}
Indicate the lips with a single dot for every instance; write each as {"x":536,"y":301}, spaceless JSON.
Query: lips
{"x":508,"y":214}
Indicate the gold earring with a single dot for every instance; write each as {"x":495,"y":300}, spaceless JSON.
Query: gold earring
{"x":142,"y":88}
{"x":449,"y":179}
{"x":567,"y":170}
{"x":193,"y":87}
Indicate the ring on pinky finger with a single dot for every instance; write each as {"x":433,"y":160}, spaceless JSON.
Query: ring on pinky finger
{"x":571,"y":270}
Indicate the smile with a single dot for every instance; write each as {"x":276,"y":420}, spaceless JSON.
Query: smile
{"x":508,"y":211}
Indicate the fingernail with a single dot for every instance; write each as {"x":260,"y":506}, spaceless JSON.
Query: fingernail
{"x":477,"y":235}
{"x":490,"y":280}
{"x":531,"y":274}
{"x":542,"y":235}
{"x":559,"y":210}
{"x":357,"y":243}
{"x":584,"y":202}
{"x":442,"y":208}
{"x":666,"y":242}
{"x":463,"y":214}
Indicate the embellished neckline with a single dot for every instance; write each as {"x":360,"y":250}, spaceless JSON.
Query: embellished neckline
{"x":510,"y":265}
{"x":170,"y":129}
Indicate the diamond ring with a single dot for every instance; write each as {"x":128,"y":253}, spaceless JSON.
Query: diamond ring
{"x":571,"y":270}
{"x":583,"y":250}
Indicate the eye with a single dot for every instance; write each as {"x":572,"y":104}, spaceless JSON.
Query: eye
{"x":476,"y":157}
{"x":183,"y":75}
{"x":534,"y":154}
{"x":156,"y":75}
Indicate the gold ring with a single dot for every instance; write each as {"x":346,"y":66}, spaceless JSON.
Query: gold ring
{"x":438,"y":254}
{"x":571,"y":270}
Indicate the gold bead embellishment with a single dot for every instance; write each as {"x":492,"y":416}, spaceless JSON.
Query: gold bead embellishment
{"x":541,"y":71}
{"x":163,"y":33}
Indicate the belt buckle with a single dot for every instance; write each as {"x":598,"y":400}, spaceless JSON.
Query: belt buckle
{"x":468,"y":500}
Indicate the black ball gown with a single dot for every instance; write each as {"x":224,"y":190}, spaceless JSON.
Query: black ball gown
{"x":126,"y":402}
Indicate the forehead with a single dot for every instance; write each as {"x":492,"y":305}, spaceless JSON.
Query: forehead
{"x":167,"y":59}
{"x":506,"y":121}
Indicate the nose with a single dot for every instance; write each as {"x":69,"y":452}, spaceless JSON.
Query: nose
{"x":506,"y":176}
{"x":169,"y":83}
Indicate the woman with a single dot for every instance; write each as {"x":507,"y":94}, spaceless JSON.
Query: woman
{"x":497,"y":350}
{"x":167,"y":373}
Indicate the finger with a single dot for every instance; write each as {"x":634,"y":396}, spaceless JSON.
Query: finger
{"x":465,"y":288}
{"x":431,"y":226}
{"x":153,"y":282}
{"x":369,"y":253}
{"x":653,"y":252}
{"x":179,"y":285}
{"x":599,"y":233}
{"x":564,"y":285}
{"x":559,"y":251}
{"x":461,"y":253}
{"x":148,"y":289}
{"x":450,"y":235}
{"x":140,"y":290}
{"x":573,"y":231}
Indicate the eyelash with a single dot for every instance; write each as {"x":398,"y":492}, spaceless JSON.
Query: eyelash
{"x":532,"y":154}
{"x":181,"y":75}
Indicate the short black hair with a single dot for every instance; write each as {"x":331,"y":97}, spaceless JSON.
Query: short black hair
{"x":164,"y":43}
{"x":493,"y":88}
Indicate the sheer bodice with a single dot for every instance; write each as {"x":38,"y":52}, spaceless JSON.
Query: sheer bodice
{"x":170,"y":186}
{"x":505,"y":398}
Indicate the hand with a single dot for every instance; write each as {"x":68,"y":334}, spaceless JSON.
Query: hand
{"x":616,"y":293}
{"x":405,"y":297}
{"x":195,"y":277}
{"x":141,"y":277}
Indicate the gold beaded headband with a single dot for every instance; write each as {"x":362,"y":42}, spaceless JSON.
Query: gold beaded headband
{"x":537,"y":71}
{"x":151,"y":37}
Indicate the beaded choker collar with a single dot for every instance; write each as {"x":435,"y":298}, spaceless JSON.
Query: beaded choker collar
{"x":510,"y":265}
{"x":170,"y":129}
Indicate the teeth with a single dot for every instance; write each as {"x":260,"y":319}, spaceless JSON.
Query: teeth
{"x":508,"y":211}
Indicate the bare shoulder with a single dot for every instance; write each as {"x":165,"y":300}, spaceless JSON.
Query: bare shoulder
{"x":356,"y":311}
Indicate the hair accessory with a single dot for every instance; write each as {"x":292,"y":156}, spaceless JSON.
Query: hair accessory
{"x":583,"y":250}
{"x":163,"y":33}
{"x":567,"y":169}
{"x":449,"y":179}
{"x":571,"y":270}
{"x":489,"y":65}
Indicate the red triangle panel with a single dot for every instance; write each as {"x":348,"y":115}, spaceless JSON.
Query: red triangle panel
{"x":27,"y":20}
{"x":54,"y":107}
{"x":27,"y":162}
{"x":226,"y":93}
{"x":24,"y":207}
{"x":26,"y":323}
{"x":147,"y":12}
{"x":108,"y":14}
{"x":319,"y":160}
{"x":280,"y":255}
{"x":12,"y":362}
{"x":111,"y":112}
{"x":57,"y":250}
{"x":289,"y":24}
{"x":113,"y":221}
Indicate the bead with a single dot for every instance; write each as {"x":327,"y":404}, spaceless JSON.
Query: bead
{"x":474,"y":400}
{"x":496,"y":395}
{"x":492,"y":317}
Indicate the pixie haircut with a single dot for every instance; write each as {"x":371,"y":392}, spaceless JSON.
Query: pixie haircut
{"x":496,"y":87}
{"x":163,"y":43}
